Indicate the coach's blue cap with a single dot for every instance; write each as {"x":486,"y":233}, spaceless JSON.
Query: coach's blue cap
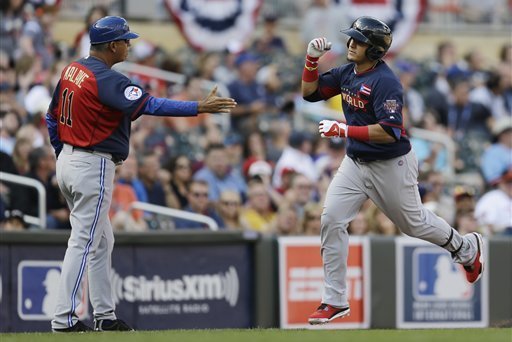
{"x":108,"y":29}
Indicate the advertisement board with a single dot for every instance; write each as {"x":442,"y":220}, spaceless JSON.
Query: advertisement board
{"x":301,"y":282}
{"x":432,"y":291}
{"x":170,"y":287}
{"x":5,"y":263}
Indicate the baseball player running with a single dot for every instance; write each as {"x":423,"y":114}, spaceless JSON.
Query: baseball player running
{"x":380,"y":164}
{"x":89,"y":122}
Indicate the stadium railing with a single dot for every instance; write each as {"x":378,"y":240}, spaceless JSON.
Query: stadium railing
{"x":171,"y":212}
{"x":40,"y":220}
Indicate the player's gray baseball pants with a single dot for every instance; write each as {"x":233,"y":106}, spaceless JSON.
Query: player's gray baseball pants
{"x":392,"y":186}
{"x":86,"y":181}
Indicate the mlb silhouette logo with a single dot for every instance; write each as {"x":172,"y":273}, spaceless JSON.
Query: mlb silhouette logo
{"x":38,"y":289}
{"x":437,"y":277}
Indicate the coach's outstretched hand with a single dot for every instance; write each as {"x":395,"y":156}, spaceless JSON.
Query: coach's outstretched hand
{"x":214,"y":104}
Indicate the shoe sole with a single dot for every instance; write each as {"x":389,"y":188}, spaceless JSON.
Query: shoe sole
{"x":320,"y":321}
{"x":480,"y":244}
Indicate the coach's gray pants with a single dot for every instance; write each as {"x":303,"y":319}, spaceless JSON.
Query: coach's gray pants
{"x":86,"y":181}
{"x":392,"y":186}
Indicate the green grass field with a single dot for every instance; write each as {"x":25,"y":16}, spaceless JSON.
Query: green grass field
{"x":268,"y":335}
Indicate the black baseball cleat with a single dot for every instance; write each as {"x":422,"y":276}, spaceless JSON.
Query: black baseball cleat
{"x":111,"y":325}
{"x":79,"y":327}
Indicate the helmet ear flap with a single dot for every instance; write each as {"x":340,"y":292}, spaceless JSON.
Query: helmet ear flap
{"x":374,"y":53}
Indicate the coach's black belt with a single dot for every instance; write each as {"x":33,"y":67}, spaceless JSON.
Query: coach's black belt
{"x":108,"y":155}
{"x":363,"y":161}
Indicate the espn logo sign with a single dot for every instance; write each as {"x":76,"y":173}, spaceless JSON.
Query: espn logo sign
{"x":301,"y":282}
{"x":306,"y":283}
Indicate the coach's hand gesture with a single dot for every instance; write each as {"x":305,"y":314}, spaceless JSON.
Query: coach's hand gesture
{"x":214,"y":104}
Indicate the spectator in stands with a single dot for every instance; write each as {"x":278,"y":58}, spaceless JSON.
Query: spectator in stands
{"x":235,"y":152}
{"x":497,"y":158}
{"x":20,"y":153}
{"x":279,"y":134}
{"x":218,"y":174}
{"x":312,"y":214}
{"x":299,"y":194}
{"x":121,"y":217}
{"x":248,"y":93}
{"x":414,"y":106}
{"x":468,"y":124}
{"x":330,"y":162}
{"x":127,"y":174}
{"x":36,"y":39}
{"x":359,"y":225}
{"x":11,"y":24}
{"x":494,"y":209}
{"x":287,"y":223}
{"x":9,"y":125}
{"x":435,"y":198}
{"x":228,"y":208}
{"x":42,"y":168}
{"x":13,"y":221}
{"x":379,"y":223}
{"x":465,"y":222}
{"x":82,"y":42}
{"x":269,"y":42}
{"x":491,"y":93}
{"x":296,"y":156}
{"x":198,"y":204}
{"x":180,"y":169}
{"x":148,"y":174}
{"x":258,"y":214}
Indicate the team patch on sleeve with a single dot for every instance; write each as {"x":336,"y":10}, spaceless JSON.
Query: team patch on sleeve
{"x":391,"y":106}
{"x":132,"y":93}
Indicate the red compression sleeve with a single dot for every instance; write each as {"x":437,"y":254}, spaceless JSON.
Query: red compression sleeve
{"x":361,"y":133}
{"x":310,"y":72}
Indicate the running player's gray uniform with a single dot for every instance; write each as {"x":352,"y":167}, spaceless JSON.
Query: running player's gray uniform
{"x":385,"y":173}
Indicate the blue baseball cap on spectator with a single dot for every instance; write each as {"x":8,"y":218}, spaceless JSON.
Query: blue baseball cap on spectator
{"x":245,"y":57}
{"x":233,"y":139}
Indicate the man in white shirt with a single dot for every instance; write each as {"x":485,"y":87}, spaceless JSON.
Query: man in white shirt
{"x":494,"y":209}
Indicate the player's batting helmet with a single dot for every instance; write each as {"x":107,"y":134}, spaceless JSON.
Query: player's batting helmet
{"x":372,"y":32}
{"x":108,"y":29}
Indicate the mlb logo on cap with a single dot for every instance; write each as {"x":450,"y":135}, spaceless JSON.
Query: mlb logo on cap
{"x":438,"y":278}
{"x":38,"y":289}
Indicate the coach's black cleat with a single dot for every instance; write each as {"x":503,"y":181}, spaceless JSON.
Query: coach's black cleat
{"x":79,"y":327}
{"x":111,"y":325}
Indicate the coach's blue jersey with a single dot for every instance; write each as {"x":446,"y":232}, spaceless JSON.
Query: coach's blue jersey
{"x":94,"y":106}
{"x":371,"y":97}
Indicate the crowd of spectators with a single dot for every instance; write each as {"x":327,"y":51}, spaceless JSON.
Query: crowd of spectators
{"x":261,"y":171}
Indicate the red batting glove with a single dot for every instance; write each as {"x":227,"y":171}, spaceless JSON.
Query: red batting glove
{"x":330,"y":129}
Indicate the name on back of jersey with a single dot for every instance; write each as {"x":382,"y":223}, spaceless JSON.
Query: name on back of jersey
{"x":75,"y":75}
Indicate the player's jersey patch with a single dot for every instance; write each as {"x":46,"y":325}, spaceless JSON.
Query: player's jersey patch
{"x":391,"y":106}
{"x":132,"y":93}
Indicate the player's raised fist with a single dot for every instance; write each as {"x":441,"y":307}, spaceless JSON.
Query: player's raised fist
{"x":330,"y":129}
{"x":318,"y":47}
{"x":214,"y":104}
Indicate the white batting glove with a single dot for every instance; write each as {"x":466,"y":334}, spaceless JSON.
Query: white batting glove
{"x":331,"y":129}
{"x":318,"y":47}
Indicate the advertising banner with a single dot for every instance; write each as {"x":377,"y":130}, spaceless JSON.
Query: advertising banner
{"x":171,"y":287}
{"x":34,"y":280}
{"x":5,"y":263}
{"x":301,"y":282}
{"x":432,"y":291}
{"x":185,"y":287}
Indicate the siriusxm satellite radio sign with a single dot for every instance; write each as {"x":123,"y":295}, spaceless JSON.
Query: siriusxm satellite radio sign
{"x":432,"y":291}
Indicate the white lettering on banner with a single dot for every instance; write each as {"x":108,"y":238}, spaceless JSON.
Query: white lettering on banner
{"x":189,"y":287}
{"x":306,"y":283}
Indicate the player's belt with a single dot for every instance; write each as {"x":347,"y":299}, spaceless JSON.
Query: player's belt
{"x":362,"y":161}
{"x":116,"y":160}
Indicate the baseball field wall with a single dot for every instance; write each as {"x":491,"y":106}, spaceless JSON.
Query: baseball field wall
{"x":188,"y":280}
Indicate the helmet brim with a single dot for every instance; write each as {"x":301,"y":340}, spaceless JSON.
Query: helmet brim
{"x":353,"y":33}
{"x":128,"y":35}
